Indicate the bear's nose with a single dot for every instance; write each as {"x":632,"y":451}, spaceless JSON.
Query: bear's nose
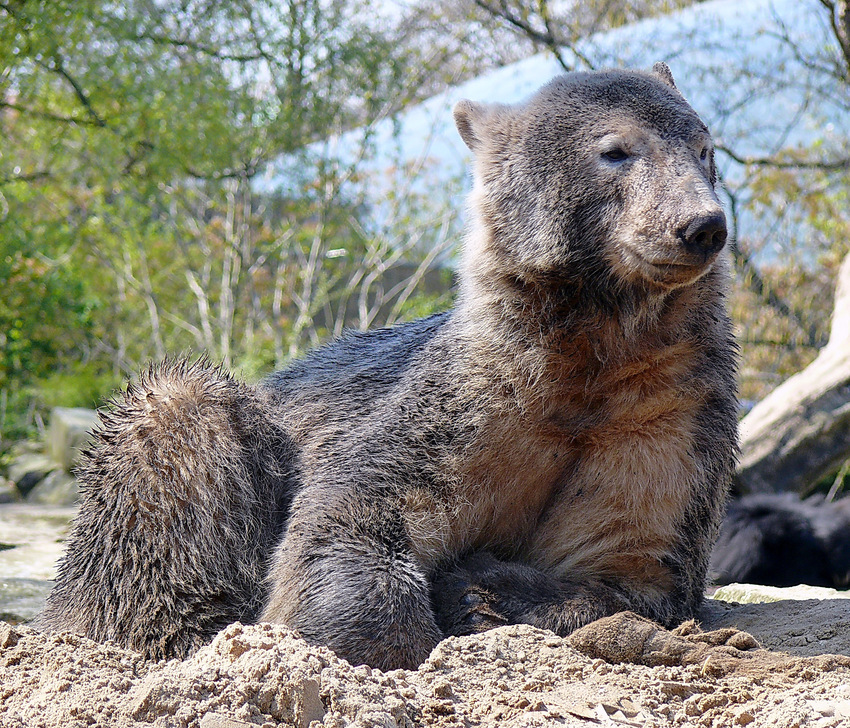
{"x":705,"y":235}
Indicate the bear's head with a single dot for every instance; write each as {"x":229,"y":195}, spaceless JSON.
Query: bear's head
{"x":602,"y":179}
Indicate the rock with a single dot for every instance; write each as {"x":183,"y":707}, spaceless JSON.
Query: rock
{"x":28,"y":469}
{"x":8,"y":636}
{"x":22,"y":599}
{"x":57,"y":489}
{"x":8,"y":492}
{"x":756,"y":593}
{"x":799,"y":627}
{"x":308,"y":703}
{"x":70,"y":431}
{"x":24,"y":447}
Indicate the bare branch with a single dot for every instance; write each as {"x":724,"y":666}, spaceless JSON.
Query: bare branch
{"x":544,"y":38}
{"x":839,"y":19}
{"x":834,"y":165}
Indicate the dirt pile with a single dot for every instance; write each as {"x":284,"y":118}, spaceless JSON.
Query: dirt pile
{"x":264,"y":675}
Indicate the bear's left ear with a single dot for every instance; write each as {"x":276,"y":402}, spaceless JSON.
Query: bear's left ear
{"x":662,"y":71}
{"x":469,"y":119}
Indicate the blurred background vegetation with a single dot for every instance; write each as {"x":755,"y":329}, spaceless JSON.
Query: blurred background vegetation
{"x":133,"y":225}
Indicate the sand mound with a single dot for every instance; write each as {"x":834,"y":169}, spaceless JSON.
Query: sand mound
{"x":264,"y":675}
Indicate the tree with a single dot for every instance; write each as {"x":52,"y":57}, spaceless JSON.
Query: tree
{"x":559,"y":28}
{"x":800,"y":433}
{"x":136,"y":136}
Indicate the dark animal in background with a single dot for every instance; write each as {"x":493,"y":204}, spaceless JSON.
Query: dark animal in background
{"x":554,"y":449}
{"x":781,"y":540}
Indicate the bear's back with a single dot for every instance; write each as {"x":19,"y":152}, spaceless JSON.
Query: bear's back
{"x":343,"y":381}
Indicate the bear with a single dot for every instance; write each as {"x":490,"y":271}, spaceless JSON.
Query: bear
{"x":778,"y":539}
{"x":554,"y":449}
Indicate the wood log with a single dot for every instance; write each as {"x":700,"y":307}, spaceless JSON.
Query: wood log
{"x":800,"y":432}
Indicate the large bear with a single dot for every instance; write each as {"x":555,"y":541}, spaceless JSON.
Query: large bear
{"x":554,"y":449}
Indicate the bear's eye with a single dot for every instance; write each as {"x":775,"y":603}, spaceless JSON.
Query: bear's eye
{"x":703,"y":155}
{"x":615,"y":155}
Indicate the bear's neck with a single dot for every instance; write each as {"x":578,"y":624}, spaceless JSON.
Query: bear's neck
{"x":550,"y":315}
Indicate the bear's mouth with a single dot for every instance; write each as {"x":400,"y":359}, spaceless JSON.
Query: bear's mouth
{"x":675,"y":273}
{"x":665,"y":271}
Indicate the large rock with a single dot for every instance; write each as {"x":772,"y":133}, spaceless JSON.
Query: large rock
{"x":57,"y":489}
{"x":8,"y":492}
{"x":28,"y":469}
{"x":69,"y":433}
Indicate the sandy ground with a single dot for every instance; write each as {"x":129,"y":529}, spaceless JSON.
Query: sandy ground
{"x":618,"y":672}
{"x":623,"y":671}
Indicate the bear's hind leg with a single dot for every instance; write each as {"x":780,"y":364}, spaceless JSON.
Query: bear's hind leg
{"x":183,"y":498}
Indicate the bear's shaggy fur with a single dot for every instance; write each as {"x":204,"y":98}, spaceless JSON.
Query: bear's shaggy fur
{"x":554,"y":449}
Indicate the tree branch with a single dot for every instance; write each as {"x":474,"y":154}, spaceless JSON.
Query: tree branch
{"x":29,"y":177}
{"x":544,"y":38}
{"x":49,"y":115}
{"x":198,"y":47}
{"x":834,"y":165}
{"x":839,"y":19}
{"x":59,"y":69}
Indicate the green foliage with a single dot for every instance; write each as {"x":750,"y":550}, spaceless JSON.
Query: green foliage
{"x":131,"y":225}
{"x":43,"y":314}
{"x":87,"y":385}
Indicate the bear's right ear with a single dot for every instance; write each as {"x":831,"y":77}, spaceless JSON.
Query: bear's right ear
{"x":663,"y":73}
{"x":469,"y":119}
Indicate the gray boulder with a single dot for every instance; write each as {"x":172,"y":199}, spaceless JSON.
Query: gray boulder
{"x":57,"y":489}
{"x":8,"y":492}
{"x":69,"y":433}
{"x":28,"y":469}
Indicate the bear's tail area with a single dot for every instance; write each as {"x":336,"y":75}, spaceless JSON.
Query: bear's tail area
{"x":183,"y":497}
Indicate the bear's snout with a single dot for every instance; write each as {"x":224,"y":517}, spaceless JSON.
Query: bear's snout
{"x":705,"y":235}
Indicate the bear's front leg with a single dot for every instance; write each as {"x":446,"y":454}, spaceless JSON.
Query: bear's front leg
{"x":482,"y":592}
{"x":344,"y":576}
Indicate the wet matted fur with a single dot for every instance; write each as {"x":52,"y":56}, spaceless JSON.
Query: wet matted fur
{"x":554,"y":449}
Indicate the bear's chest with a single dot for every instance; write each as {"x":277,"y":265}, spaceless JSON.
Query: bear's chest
{"x":619,"y":507}
{"x":600,"y":471}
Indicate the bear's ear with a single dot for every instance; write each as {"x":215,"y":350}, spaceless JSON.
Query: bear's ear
{"x":663,"y":73}
{"x":469,"y":119}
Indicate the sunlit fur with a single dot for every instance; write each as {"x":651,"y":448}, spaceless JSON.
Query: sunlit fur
{"x":555,"y":448}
